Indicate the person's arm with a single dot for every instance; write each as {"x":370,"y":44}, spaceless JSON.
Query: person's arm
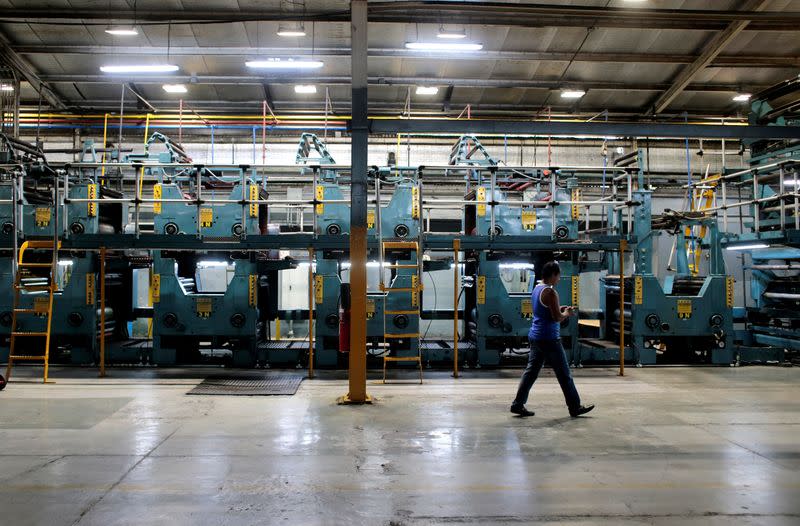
{"x":559,"y":313}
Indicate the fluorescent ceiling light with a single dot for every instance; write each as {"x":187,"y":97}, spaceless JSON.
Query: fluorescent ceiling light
{"x":305,"y":88}
{"x":122,"y":31}
{"x":140,"y":68}
{"x":443,"y":46}
{"x":277,"y":63}
{"x":6,"y":87}
{"x":291,"y":30}
{"x":451,"y":34}
{"x":572,"y":94}
{"x":174,"y":88}
{"x":427,"y":90}
{"x":742,"y":97}
{"x":747,"y":247}
{"x":791,"y":182}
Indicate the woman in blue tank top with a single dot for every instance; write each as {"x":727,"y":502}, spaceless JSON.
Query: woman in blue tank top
{"x":545,"y":342}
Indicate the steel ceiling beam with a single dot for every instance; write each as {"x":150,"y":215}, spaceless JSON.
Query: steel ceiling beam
{"x":387,"y":81}
{"x":730,"y":61}
{"x":711,"y":49}
{"x":26,"y":72}
{"x":595,"y":128}
{"x":483,"y":13}
{"x":342,"y":107}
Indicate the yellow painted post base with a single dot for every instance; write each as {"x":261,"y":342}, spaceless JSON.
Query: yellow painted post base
{"x":345,"y":400}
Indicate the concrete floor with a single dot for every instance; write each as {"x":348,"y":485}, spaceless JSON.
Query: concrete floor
{"x":707,"y":446}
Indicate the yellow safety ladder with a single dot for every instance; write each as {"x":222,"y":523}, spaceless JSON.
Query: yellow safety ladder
{"x":704,"y":198}
{"x":412,"y":247}
{"x":28,"y":278}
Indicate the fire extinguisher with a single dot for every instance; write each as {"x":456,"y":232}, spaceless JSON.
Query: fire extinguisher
{"x":344,"y":318}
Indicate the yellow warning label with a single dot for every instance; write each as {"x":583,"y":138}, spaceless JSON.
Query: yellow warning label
{"x":91,"y":193}
{"x":684,"y":309}
{"x":370,"y":309}
{"x":320,"y":196}
{"x":638,"y":290}
{"x":252,"y":290}
{"x":575,"y":291}
{"x":729,"y":291}
{"x":42,"y":216}
{"x":415,"y":292}
{"x":155,"y":287}
{"x":318,"y":288}
{"x":157,"y":199}
{"x":526,"y":308}
{"x":253,"y":197}
{"x":90,"y":292}
{"x":203,"y":307}
{"x":576,"y":210}
{"x":206,"y":217}
{"x":370,"y":218}
{"x":480,"y":197}
{"x":414,"y":202}
{"x":41,"y":304}
{"x":529,"y":219}
{"x":481,"y":290}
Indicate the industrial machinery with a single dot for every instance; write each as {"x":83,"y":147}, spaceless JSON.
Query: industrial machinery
{"x":76,"y":317}
{"x":688,"y":318}
{"x":498,"y":319}
{"x":773,"y":236}
{"x":202,"y":300}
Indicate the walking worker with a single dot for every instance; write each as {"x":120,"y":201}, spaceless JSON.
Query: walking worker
{"x":545,"y":341}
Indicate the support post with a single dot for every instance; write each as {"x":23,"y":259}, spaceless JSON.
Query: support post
{"x":623,"y":245}
{"x":102,"y":312}
{"x":357,"y":374}
{"x":311,"y":298}
{"x":456,"y":249}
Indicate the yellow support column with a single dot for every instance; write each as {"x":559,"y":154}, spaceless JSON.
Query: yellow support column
{"x":456,"y":248}
{"x":311,"y":297}
{"x":623,"y":245}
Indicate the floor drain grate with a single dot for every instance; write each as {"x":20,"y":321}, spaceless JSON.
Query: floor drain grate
{"x":251,"y":385}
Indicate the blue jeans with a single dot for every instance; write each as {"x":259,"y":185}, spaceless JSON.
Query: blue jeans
{"x":553,"y":351}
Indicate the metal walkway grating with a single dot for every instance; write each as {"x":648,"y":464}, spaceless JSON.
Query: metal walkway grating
{"x":249,"y":385}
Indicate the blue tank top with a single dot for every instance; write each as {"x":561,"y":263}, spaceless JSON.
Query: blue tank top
{"x":543,"y":326}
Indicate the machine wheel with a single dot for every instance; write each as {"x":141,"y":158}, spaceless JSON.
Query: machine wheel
{"x":238,"y":320}
{"x":2,"y":382}
{"x":332,"y":320}
{"x":652,"y":321}
{"x":400,"y":321}
{"x":333,"y":230}
{"x":498,"y":230}
{"x":76,"y":228}
{"x":562,"y":232}
{"x":495,"y":321}
{"x":237,"y":230}
{"x":170,"y":320}
{"x":8,"y":228}
{"x":171,"y":229}
{"x":716,"y":320}
{"x":75,"y":319}
{"x":401,"y":231}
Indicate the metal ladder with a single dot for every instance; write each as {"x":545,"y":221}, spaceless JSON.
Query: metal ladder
{"x":416,"y":287}
{"x":27,"y":280}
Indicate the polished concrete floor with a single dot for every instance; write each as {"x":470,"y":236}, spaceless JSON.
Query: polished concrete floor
{"x":688,"y":446}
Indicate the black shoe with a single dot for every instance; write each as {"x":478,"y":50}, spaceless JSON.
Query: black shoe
{"x":582,"y":410}
{"x":521,"y":411}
